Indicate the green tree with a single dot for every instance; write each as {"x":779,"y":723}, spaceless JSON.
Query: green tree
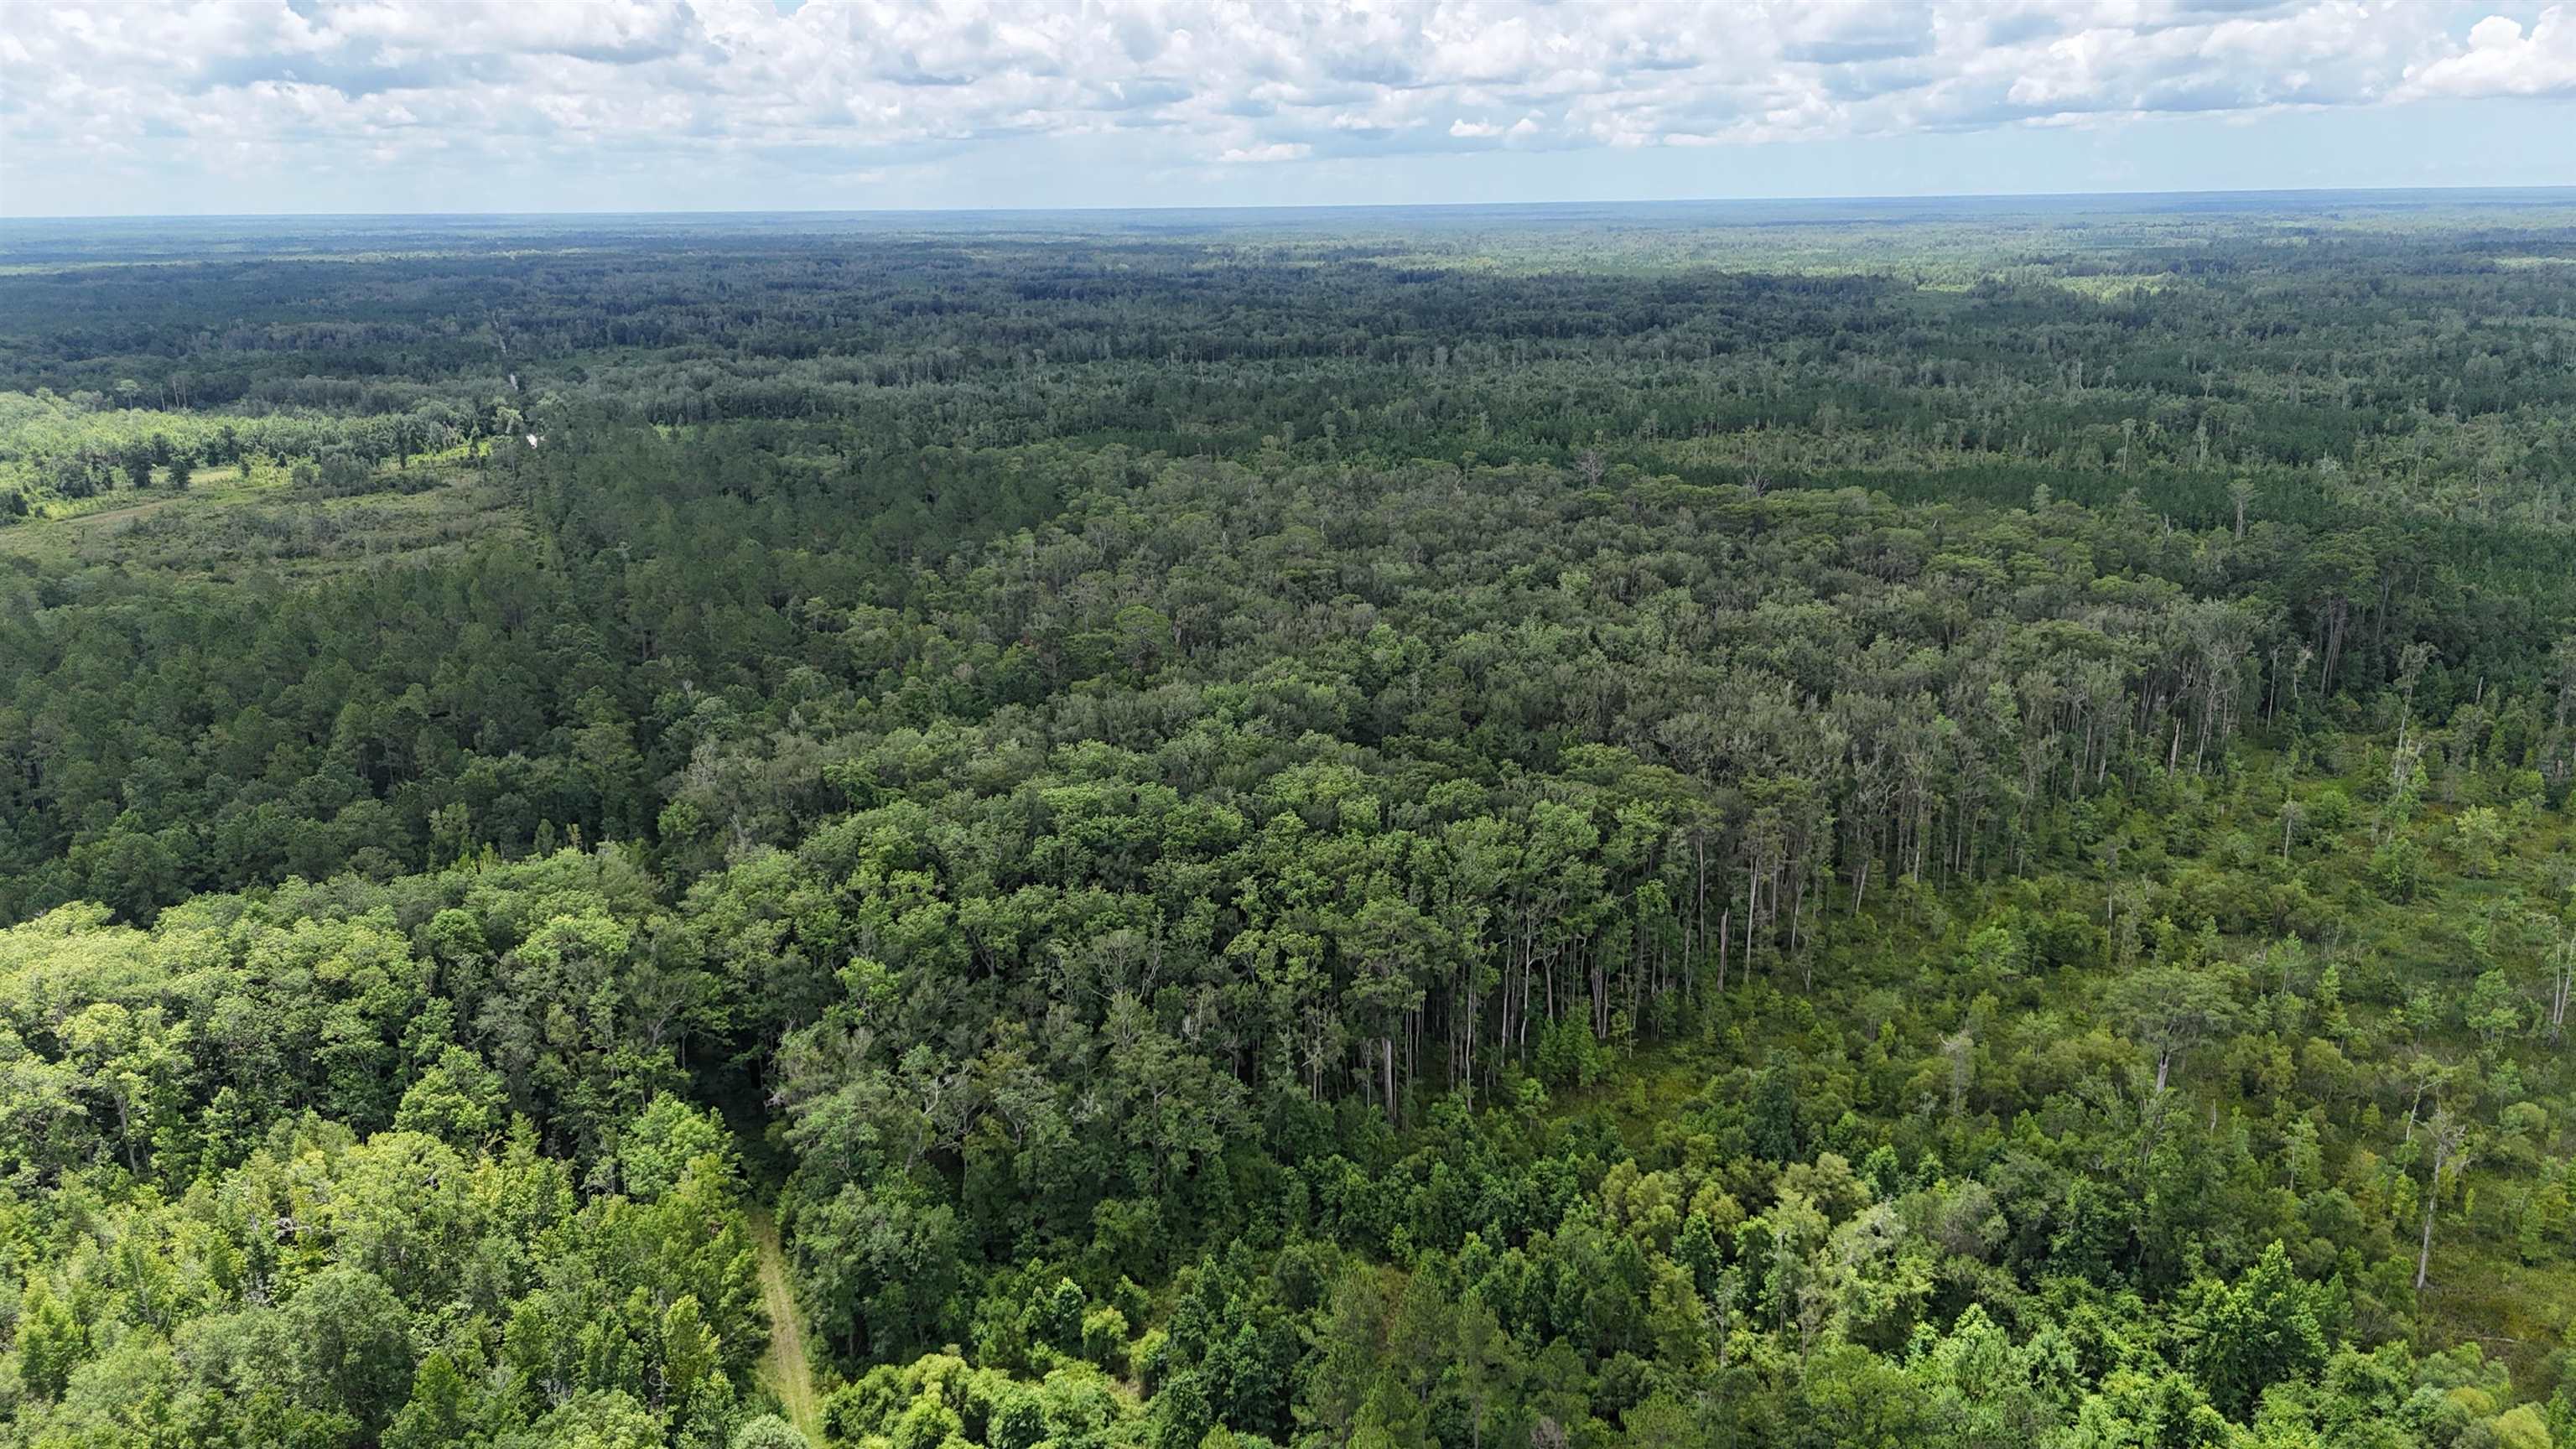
{"x":353,"y":1345}
{"x":2259,"y":1331}
{"x":766,"y":1431}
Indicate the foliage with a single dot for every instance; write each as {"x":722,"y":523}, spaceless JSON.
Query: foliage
{"x":1293,"y":838}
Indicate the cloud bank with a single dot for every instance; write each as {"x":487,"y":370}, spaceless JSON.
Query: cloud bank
{"x":254,"y":89}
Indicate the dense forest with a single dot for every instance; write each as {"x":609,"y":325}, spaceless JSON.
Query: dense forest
{"x":1931,"y":824}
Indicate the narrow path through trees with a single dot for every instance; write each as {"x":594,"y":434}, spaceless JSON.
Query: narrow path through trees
{"x":785,"y":1369}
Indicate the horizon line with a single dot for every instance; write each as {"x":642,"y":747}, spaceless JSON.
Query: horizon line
{"x":1854,"y":198}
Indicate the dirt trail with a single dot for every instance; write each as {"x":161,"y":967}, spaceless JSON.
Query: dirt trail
{"x":33,"y":526}
{"x":785,"y":1368}
{"x":116,"y":515}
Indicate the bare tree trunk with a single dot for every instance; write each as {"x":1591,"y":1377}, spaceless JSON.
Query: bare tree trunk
{"x":2563,"y":988}
{"x":2448,"y":1135}
{"x":2424,"y":1255}
{"x":1386,"y":1048}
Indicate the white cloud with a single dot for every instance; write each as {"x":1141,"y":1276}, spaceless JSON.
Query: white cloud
{"x":2502,"y":60}
{"x":1271,"y":151}
{"x":250,"y":88}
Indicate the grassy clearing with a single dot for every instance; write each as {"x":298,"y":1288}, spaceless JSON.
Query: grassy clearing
{"x":232,"y":528}
{"x":214,"y":485}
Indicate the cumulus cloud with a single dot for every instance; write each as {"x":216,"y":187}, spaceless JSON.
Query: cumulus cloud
{"x":2502,"y":60}
{"x":246,"y":87}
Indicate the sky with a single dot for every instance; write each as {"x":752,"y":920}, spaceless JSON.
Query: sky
{"x":179,"y":107}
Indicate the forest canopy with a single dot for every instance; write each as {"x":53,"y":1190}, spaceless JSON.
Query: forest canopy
{"x":1939,"y":824}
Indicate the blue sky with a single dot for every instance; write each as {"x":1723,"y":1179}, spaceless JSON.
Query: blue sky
{"x":231,"y":106}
